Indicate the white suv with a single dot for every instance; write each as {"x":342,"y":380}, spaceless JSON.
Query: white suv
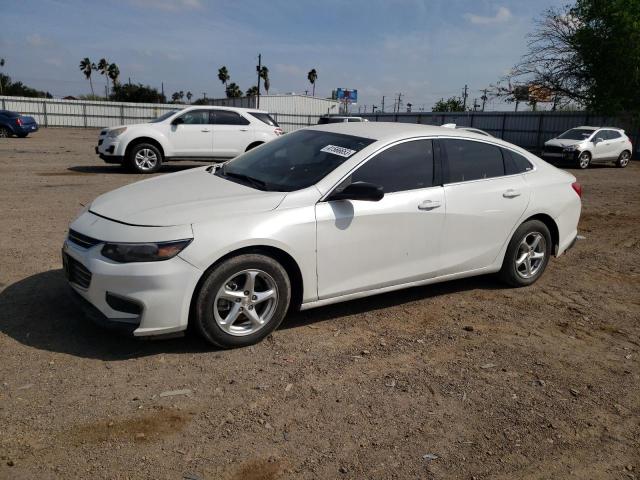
{"x":193,"y":133}
{"x":583,"y":145}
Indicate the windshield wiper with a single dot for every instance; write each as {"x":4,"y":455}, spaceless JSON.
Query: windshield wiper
{"x":259,"y":184}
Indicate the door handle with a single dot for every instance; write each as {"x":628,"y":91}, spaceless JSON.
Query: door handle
{"x":205,"y":130}
{"x":244,"y":129}
{"x":511,"y":193}
{"x":429,"y":205}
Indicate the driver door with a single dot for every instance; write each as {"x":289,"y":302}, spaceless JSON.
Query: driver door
{"x":364,"y":245}
{"x":192,"y":134}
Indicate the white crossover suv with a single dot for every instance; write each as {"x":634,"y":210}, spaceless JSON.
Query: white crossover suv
{"x":585,"y":145}
{"x":322,"y":215}
{"x":193,"y":133}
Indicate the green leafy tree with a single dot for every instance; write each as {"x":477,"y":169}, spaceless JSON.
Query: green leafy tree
{"x":223,"y":76}
{"x":175,"y":96}
{"x":451,"y":104}
{"x":87,"y":67}
{"x":233,"y":91}
{"x":103,"y":68}
{"x":114,"y":73}
{"x":19,"y":89}
{"x":136,"y":93}
{"x":312,"y":76}
{"x":252,"y":92}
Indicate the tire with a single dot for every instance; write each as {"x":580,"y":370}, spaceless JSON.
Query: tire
{"x":584,"y":160}
{"x":226,"y":292}
{"x":4,"y":133}
{"x":23,"y":135}
{"x":144,"y":158}
{"x":522,"y":263}
{"x":623,"y":159}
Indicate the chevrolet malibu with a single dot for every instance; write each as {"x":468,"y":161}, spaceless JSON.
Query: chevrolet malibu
{"x":318,"y":216}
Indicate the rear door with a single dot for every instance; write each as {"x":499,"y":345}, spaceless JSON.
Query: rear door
{"x":194,"y":136}
{"x":232,"y":133}
{"x":484,"y":204}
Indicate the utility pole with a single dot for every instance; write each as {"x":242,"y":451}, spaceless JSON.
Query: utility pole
{"x":465,"y":94}
{"x":476,"y":105}
{"x":258,"y":68}
{"x":373,"y":108}
{"x":398,"y":104}
{"x":204,"y":95}
{"x":484,"y":98}
{"x":383,"y":104}
{"x":162,"y":88}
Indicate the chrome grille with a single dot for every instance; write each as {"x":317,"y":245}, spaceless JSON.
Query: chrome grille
{"x":82,"y":240}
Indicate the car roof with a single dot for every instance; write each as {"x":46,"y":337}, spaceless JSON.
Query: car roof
{"x":224,"y":107}
{"x":390,"y":131}
{"x":597,"y":128}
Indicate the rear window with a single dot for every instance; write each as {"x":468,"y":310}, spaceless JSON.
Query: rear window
{"x":9,"y":114}
{"x":325,"y":120}
{"x":469,"y":160}
{"x":515,"y":163}
{"x":265,"y":118}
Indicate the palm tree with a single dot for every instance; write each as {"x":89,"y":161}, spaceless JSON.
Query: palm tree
{"x":264,"y":74}
{"x":252,"y":92}
{"x":189,"y":95}
{"x":103,"y":68}
{"x":175,"y":97}
{"x":223,"y":76}
{"x":312,"y":76}
{"x":114,"y":72}
{"x":233,"y":91}
{"x":87,"y":67}
{"x":181,"y":95}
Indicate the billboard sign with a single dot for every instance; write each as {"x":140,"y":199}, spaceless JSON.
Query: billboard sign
{"x":346,"y":95}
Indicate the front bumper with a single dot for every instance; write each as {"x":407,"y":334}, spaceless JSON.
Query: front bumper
{"x":108,"y":149}
{"x":161,"y":291}
{"x":561,"y":157}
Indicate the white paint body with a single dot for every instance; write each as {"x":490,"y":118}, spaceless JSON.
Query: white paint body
{"x":192,"y":141}
{"x":601,"y":148}
{"x":343,"y":249}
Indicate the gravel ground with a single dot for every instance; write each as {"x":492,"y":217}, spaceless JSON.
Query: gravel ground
{"x":461,"y":380}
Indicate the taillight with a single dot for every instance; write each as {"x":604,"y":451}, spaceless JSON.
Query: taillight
{"x":278,"y":131}
{"x":19,"y":121}
{"x":577,"y":188}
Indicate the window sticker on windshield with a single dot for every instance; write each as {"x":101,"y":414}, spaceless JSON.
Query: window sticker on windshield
{"x":341,"y":151}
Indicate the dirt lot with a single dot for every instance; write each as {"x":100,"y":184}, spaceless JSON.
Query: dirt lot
{"x":461,"y":380}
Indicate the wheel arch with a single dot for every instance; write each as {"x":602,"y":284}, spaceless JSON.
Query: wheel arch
{"x":551,"y":225}
{"x":138,"y":140}
{"x":285,"y":259}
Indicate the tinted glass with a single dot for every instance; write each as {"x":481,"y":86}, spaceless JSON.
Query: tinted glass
{"x":354,"y":120}
{"x":577,"y":134}
{"x":196,"y":117}
{"x":325,"y":120}
{"x":406,"y":166}
{"x":294,"y":161}
{"x":469,"y":160}
{"x":265,"y":118}
{"x":613,"y":134}
{"x":515,"y":163}
{"x":227,"y":117}
{"x":164,"y":116}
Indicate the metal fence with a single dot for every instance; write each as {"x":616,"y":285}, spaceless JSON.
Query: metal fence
{"x":528,"y":130}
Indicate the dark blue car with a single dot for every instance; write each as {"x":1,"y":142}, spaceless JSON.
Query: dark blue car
{"x":13,"y":123}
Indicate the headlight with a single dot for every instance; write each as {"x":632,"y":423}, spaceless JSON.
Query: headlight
{"x":570,"y":148}
{"x":116,"y":131}
{"x":143,"y":252}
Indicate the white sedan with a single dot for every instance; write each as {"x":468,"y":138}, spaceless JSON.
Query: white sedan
{"x":318,"y":216}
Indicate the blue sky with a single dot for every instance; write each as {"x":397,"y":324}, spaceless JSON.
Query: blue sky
{"x":425,"y":49}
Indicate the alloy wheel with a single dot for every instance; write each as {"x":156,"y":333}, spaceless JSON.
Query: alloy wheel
{"x":146,"y":159}
{"x":584,"y":160}
{"x":245,"y":302}
{"x":624,"y":159}
{"x":4,"y":133}
{"x":531,"y":255}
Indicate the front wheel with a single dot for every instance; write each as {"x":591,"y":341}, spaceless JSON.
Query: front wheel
{"x":527,"y":254}
{"x":242,"y":301}
{"x":584,"y":160}
{"x":623,"y":159}
{"x":144,"y":158}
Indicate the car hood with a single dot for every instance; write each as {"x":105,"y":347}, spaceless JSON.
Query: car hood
{"x":186,"y":197}
{"x":557,"y":142}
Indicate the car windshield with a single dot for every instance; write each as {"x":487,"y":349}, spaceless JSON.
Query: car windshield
{"x":293,"y":162}
{"x":164,"y":116}
{"x":577,"y":134}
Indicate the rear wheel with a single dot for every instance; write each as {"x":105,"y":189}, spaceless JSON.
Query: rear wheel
{"x":527,"y":254}
{"x":623,"y":159}
{"x":144,"y":158}
{"x":242,"y":301}
{"x":4,"y":133}
{"x":584,"y":159}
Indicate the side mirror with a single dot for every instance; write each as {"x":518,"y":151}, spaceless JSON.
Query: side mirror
{"x":177,"y":121}
{"x":359,"y":191}
{"x":598,"y":140}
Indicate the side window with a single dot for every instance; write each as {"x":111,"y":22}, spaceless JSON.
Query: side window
{"x":470,"y":160}
{"x":613,"y":134}
{"x":601,"y":134}
{"x":515,"y":163}
{"x":196,"y":117}
{"x":227,"y":117}
{"x":406,"y":166}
